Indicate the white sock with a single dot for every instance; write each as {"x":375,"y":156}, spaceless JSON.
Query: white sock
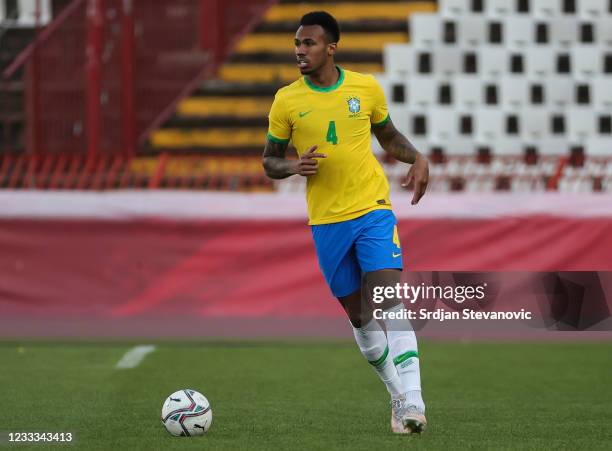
{"x":372,"y":343}
{"x":404,"y":352}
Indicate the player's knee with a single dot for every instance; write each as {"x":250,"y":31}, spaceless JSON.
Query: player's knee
{"x":384,"y":277}
{"x":358,"y":317}
{"x":355,"y":322}
{"x":358,"y":311}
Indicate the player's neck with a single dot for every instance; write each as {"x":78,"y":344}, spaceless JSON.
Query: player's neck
{"x":326,"y":77}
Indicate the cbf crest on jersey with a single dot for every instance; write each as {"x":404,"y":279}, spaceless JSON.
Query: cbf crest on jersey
{"x":354,"y":104}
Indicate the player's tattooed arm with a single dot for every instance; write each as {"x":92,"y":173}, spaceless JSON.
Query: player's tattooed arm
{"x":278,"y":167}
{"x":274,"y":162}
{"x":393,"y":142}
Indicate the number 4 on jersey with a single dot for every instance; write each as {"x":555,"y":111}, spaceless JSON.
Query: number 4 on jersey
{"x":331,"y":133}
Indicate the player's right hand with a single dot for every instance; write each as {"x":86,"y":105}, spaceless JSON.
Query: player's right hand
{"x":307,"y":164}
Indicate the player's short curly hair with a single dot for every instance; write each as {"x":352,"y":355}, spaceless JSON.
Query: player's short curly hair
{"x":326,"y":21}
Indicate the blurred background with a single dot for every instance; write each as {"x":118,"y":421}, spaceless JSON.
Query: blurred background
{"x":131,"y":133}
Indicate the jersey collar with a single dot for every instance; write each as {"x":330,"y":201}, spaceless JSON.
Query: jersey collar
{"x":333,"y":87}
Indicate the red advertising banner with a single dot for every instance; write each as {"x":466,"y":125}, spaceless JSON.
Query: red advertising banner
{"x":142,"y":266}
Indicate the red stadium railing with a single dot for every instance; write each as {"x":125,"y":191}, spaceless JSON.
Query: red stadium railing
{"x":107,"y":72}
{"x":114,"y":171}
{"x":245,"y":174}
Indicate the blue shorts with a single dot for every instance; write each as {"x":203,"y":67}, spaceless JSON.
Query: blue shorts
{"x":348,"y":249}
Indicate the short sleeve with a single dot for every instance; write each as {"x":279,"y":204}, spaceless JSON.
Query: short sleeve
{"x":380,"y":113}
{"x":279,"y":129}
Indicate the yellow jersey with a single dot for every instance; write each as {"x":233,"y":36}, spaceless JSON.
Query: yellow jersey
{"x":338,"y":119}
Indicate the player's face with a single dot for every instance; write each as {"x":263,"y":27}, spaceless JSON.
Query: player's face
{"x":312,"y":49}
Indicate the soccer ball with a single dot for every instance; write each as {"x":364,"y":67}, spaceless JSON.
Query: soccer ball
{"x":186,"y":413}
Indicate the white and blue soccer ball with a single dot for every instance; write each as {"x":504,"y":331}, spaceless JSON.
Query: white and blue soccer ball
{"x":186,"y":413}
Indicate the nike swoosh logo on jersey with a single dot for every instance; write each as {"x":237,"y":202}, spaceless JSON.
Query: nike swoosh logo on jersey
{"x":396,"y":255}
{"x":304,"y":113}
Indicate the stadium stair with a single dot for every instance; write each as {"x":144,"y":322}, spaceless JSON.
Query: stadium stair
{"x":228,"y":116}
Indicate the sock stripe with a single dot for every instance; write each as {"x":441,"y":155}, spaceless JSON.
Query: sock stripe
{"x":382,"y":358}
{"x":405,"y":356}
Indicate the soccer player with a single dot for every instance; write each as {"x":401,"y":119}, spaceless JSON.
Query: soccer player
{"x":329,"y":114}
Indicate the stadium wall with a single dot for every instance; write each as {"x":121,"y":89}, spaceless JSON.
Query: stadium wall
{"x":108,"y":257}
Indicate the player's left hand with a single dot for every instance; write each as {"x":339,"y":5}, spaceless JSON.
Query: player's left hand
{"x":419,"y":173}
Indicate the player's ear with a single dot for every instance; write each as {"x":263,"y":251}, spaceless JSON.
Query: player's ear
{"x":331,"y":48}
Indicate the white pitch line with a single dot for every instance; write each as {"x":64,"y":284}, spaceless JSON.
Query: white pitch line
{"x":134,"y":356}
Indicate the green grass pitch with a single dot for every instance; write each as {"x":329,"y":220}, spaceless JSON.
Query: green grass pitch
{"x":310,"y":395}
